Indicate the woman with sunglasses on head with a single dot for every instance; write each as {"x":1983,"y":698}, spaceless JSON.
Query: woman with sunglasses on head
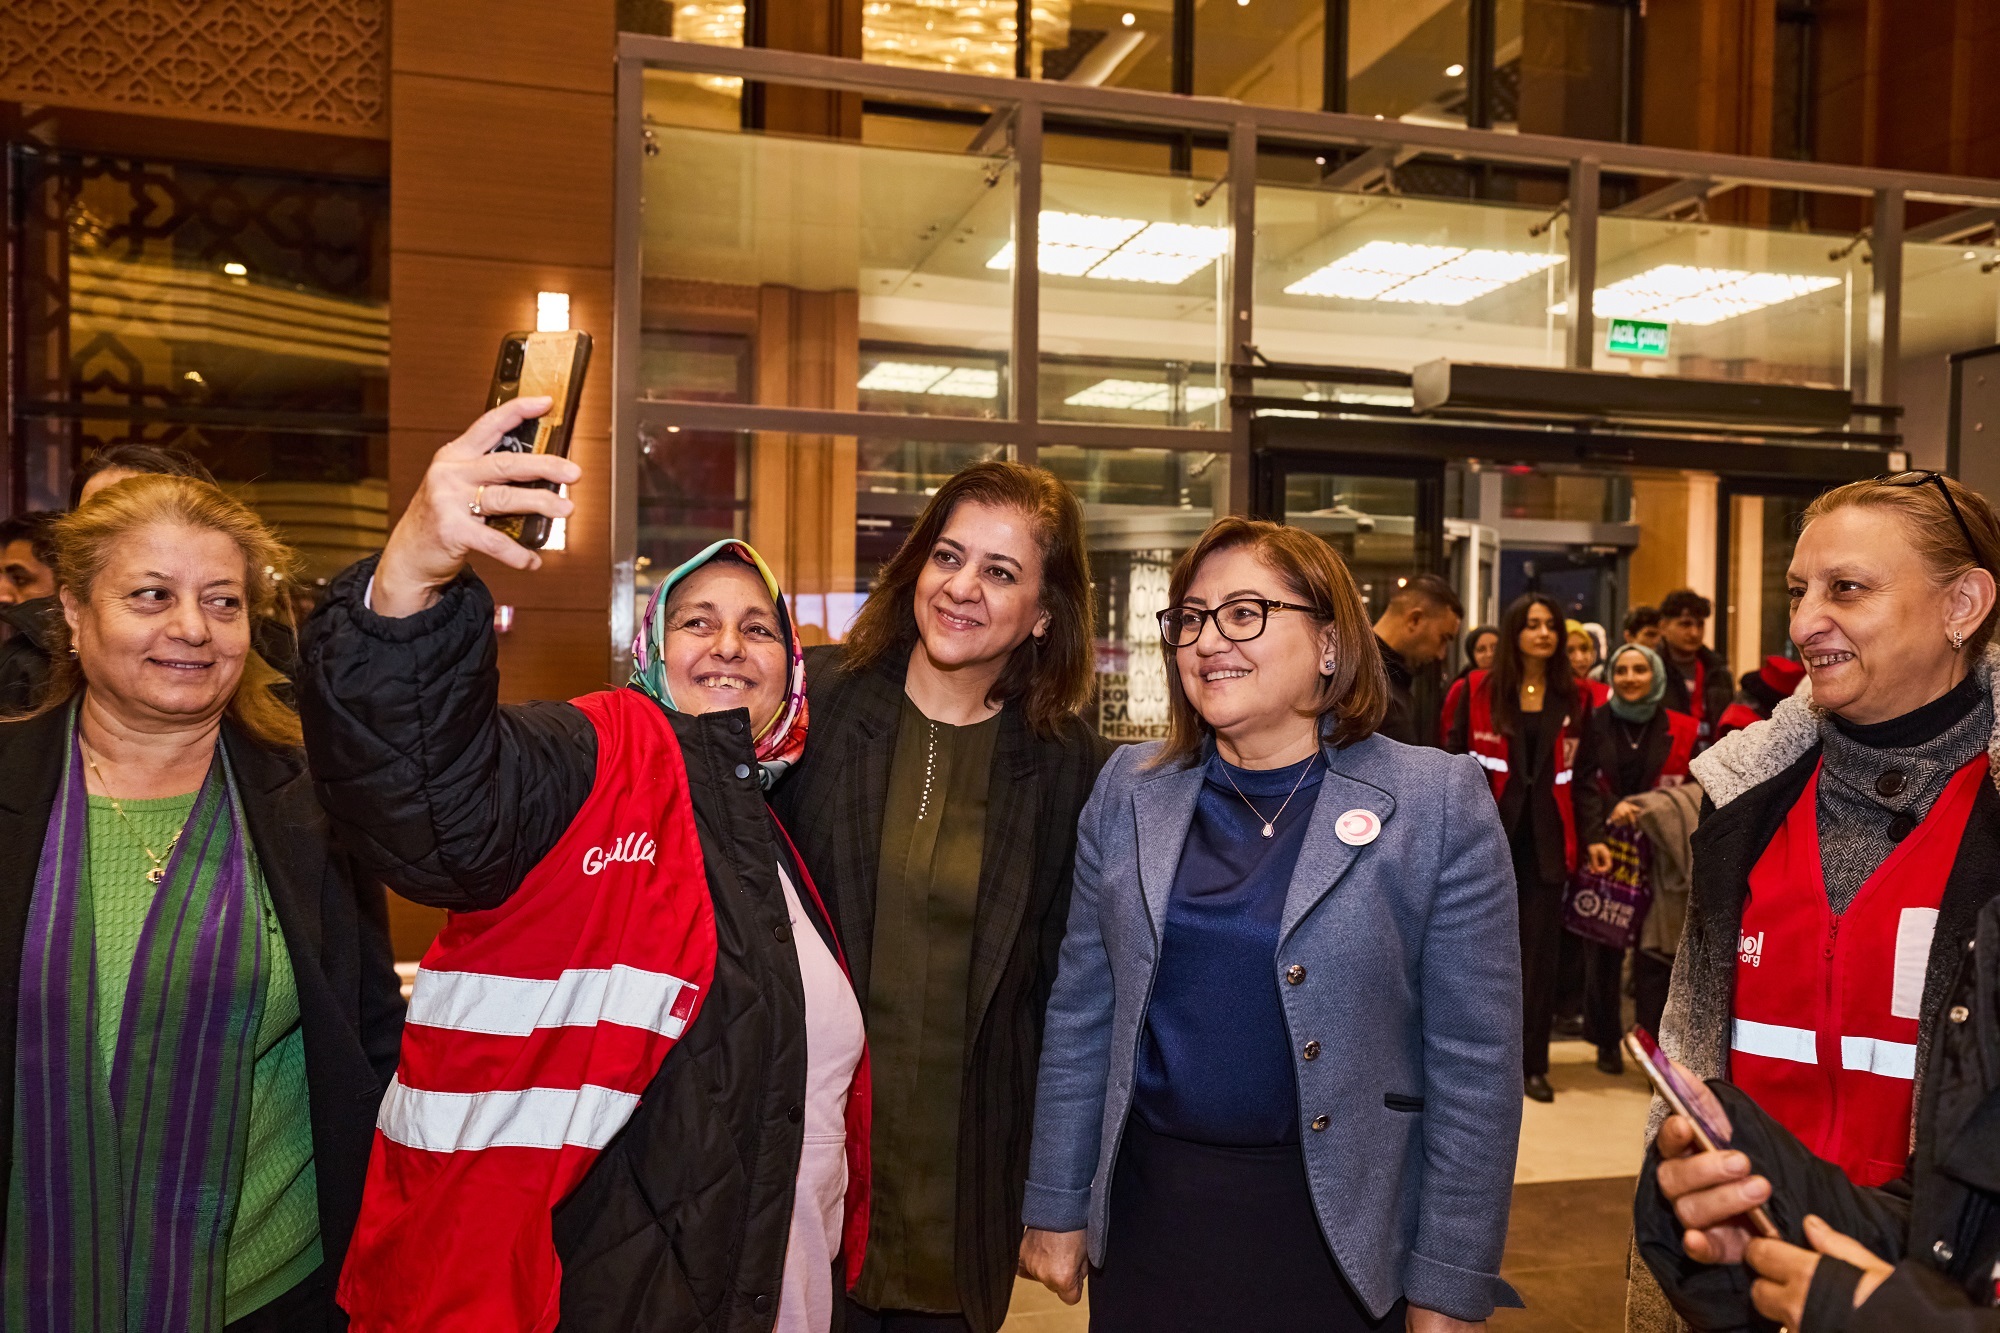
{"x":1279,"y":1085}
{"x":633,"y":1086}
{"x":938,"y":806}
{"x":1523,"y":721}
{"x":1851,"y":840}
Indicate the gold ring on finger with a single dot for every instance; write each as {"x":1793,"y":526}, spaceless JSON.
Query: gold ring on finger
{"x":478,"y":511}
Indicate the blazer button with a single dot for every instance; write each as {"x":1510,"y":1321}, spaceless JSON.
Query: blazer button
{"x":1295,"y":974}
{"x":1890,"y":783}
{"x":1311,"y":1051}
{"x":1320,"y":1122}
{"x":1959,"y":1013}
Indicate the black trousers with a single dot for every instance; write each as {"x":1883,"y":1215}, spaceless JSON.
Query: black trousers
{"x":1541,"y":949}
{"x":1651,"y":972}
{"x":1603,"y":992}
{"x":306,"y":1308}
{"x":1206,"y":1238}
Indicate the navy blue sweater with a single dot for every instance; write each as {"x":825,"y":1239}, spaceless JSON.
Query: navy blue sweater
{"x":1215,"y":1062}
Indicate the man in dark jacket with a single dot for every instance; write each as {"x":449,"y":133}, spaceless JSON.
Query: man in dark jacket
{"x":1415,"y":632}
{"x":27,"y":595}
{"x":1698,"y":681}
{"x":1920,"y":1255}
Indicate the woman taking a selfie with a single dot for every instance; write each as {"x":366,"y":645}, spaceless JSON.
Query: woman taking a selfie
{"x":938,"y":804}
{"x":634,"y":1065}
{"x":203,"y":1006}
{"x":1279,"y":1083}
{"x":1632,"y":745}
{"x":1523,"y":721}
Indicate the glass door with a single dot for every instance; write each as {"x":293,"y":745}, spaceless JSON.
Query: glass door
{"x":1757,"y":524}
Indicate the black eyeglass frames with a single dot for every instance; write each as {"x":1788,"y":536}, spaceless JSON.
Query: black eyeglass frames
{"x":1915,"y":478}
{"x":1239,"y":621}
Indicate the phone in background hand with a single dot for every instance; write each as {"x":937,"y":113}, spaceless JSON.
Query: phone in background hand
{"x":1682,"y":1101}
{"x":549,"y":365}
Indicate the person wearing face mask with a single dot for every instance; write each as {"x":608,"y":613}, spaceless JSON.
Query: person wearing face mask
{"x":938,"y":804}
{"x":1523,"y":722}
{"x":1630,"y":746}
{"x":1852,"y":839}
{"x":28,"y":609}
{"x":634,"y":1090}
{"x":1279,"y":1087}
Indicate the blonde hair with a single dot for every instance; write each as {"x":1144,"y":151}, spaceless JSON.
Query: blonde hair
{"x":85,"y":538}
{"x":1934,"y":532}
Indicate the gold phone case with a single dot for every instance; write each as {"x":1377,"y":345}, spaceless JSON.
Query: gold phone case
{"x":544,"y":364}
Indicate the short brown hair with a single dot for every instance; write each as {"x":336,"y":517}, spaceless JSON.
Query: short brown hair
{"x":1934,"y":532}
{"x":1354,"y":698}
{"x":84,"y":540}
{"x":1052,"y":676}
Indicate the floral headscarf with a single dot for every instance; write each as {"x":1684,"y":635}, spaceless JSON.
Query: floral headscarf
{"x":783,"y":739}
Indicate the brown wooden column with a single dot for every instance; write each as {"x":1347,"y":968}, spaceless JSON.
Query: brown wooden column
{"x":501,"y":165}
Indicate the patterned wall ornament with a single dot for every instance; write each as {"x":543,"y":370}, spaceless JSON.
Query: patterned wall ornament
{"x":318,"y":64}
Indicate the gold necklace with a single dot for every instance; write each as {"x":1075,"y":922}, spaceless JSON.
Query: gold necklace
{"x":1270,"y":825}
{"x":159,"y":870}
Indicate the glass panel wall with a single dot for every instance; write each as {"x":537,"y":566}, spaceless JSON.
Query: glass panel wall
{"x":1406,"y":59}
{"x":1371,"y":521}
{"x":1142,"y":509}
{"x":1392,"y":282}
{"x":1740,"y":302}
{"x":1951,"y":303}
{"x":1132,"y":297}
{"x":1271,"y":52}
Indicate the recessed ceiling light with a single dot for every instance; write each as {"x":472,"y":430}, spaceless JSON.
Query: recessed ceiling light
{"x":1453,"y":71}
{"x":1143,"y":396}
{"x":1447,"y":275}
{"x":234,"y":269}
{"x":1128,"y":19}
{"x":1076,"y":245}
{"x":941,"y":381}
{"x":1684,"y":294}
{"x":1972,"y":254}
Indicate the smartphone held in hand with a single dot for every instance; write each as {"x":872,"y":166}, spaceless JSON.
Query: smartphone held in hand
{"x":1684,"y":1102}
{"x":549,"y":365}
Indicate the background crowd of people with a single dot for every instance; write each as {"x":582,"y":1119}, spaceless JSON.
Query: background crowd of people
{"x":831,"y":988}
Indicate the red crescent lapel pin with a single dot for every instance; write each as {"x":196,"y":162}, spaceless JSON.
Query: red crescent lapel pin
{"x":1358,"y":828}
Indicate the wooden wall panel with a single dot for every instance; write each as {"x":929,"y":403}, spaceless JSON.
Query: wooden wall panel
{"x":549,"y":654}
{"x":563,"y":45}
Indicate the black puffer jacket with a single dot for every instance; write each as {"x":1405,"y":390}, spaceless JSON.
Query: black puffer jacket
{"x":682,"y":1222}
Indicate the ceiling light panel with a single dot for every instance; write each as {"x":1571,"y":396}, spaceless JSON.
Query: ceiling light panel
{"x":1143,"y":396}
{"x":1080,"y":245}
{"x":941,"y":381}
{"x":1684,"y":294}
{"x":1447,"y":275}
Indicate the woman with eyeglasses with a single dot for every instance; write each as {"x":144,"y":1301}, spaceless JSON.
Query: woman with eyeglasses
{"x":1279,"y":1076}
{"x":1523,"y":722}
{"x":1849,"y":842}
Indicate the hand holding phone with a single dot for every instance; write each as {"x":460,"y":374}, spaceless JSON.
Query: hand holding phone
{"x":538,"y":365}
{"x":1715,"y":1191}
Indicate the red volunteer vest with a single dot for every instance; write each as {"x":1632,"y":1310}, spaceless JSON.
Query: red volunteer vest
{"x":533,"y":1029}
{"x":1826,"y":1011}
{"x":1598,"y":692}
{"x":1682,"y":732}
{"x":1736,"y":717}
{"x":1492,"y":750}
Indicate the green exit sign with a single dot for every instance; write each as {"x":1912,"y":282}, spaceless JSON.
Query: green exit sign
{"x":1638,"y":337}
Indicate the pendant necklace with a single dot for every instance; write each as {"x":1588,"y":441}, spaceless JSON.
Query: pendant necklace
{"x":159,"y":870}
{"x":1271,"y":824}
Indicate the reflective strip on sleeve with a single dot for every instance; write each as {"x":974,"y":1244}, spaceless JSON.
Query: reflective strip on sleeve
{"x":1776,"y":1041}
{"x":586,"y":1117}
{"x":1562,"y":776}
{"x":1890,"y":1059}
{"x":1490,"y":763}
{"x":580,"y":997}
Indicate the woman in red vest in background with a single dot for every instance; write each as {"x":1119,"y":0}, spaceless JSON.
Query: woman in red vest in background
{"x":1856,"y":834}
{"x":1634,"y":744}
{"x":1523,"y":721}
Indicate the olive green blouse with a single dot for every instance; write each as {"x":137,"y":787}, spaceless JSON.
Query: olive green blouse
{"x":926,"y":896}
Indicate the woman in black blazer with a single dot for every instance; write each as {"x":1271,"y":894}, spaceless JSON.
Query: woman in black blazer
{"x":937,"y":805}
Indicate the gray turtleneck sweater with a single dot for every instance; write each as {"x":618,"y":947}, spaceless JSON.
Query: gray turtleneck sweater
{"x":1877,"y":782}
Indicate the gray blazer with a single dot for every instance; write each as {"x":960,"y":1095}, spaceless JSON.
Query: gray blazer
{"x":1411,"y":985}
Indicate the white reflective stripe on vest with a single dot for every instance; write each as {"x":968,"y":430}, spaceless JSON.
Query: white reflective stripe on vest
{"x":516,"y":1006}
{"x":1776,"y":1041}
{"x":1562,"y":776}
{"x":1891,"y":1059}
{"x":1488,"y":762}
{"x":586,"y":1117}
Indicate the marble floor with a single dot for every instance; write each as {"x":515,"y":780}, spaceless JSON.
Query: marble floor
{"x":1572,"y":1204}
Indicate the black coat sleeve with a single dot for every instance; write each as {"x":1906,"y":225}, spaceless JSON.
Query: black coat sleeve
{"x":1587,"y":790}
{"x":1916,"y":1298}
{"x":434,"y":787}
{"x":1717,"y":1296}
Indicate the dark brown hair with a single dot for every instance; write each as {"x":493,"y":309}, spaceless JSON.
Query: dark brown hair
{"x":1933,"y":531}
{"x":86,"y":538}
{"x":1353,"y":699}
{"x":1557,"y":679}
{"x":1051,"y":677}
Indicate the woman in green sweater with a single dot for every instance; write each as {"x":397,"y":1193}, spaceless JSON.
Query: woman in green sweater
{"x":204,"y":1009}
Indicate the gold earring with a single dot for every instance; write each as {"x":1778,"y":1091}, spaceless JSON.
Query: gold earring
{"x":1957,"y":640}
